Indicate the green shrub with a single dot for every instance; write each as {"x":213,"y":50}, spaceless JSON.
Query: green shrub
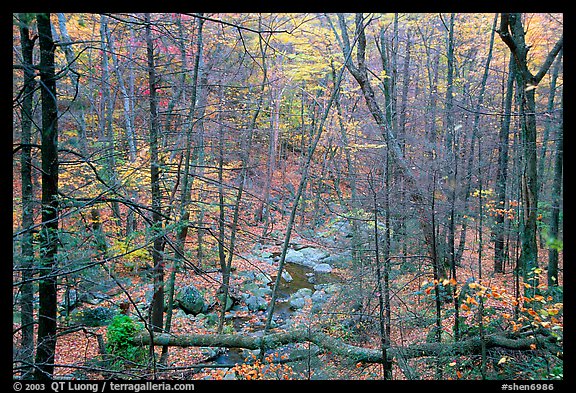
{"x":119,"y":334}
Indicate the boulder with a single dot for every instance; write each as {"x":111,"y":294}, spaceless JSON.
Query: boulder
{"x":286,"y":276}
{"x":319,"y":298}
{"x":247,"y":274}
{"x":296,"y":257}
{"x":315,"y":255}
{"x":256,"y":303}
{"x":298,"y":299}
{"x":229,"y":302}
{"x":342,"y":260}
{"x":303,"y":292}
{"x":251,"y":288}
{"x":328,"y":288}
{"x":297,"y":303}
{"x":308,"y":256}
{"x":263,"y":278}
{"x":191,"y":300}
{"x":322,"y":268}
{"x":93,"y":317}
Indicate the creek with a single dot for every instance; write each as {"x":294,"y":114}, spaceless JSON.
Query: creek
{"x":282,"y":310}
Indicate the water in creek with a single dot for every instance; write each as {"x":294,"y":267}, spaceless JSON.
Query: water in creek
{"x":282,"y":311}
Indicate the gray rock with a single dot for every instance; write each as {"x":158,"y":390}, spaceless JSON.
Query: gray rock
{"x":298,"y":299}
{"x":322,"y":268}
{"x":99,"y":316}
{"x":262,"y":291}
{"x":286,"y":276}
{"x":297,"y":303}
{"x":209,"y":353}
{"x":328,"y":288}
{"x":320,"y":297}
{"x":266,"y":255}
{"x":249,"y":286}
{"x":263,"y":278}
{"x":181,"y":314}
{"x":308,"y":256}
{"x":249,"y":354}
{"x":314,"y":254}
{"x":211,"y":319}
{"x":229,"y":301}
{"x":249,"y":275}
{"x":339,"y":260}
{"x":93,"y":298}
{"x":191,"y":300}
{"x":303,"y":292}
{"x":253,"y":289}
{"x":256,"y":303}
{"x":297,"y":257}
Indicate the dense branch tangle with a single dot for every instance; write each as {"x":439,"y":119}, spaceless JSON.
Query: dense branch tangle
{"x":179,"y":92}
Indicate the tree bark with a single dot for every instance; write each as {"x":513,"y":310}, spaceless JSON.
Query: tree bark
{"x":27,"y":289}
{"x":512,"y":33}
{"x":502,"y":171}
{"x":555,"y":216}
{"x":47,"y":289}
{"x":130,"y":134}
{"x":472,"y":346}
{"x":551,"y":119}
{"x":106,"y":113}
{"x":187,"y":179}
{"x":157,"y":306}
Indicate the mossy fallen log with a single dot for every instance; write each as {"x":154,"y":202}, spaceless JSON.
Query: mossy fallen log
{"x":339,"y":347}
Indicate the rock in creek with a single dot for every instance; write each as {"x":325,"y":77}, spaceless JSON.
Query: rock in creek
{"x":256,"y":303}
{"x":308,"y":257}
{"x":322,"y":268}
{"x":191,"y":300}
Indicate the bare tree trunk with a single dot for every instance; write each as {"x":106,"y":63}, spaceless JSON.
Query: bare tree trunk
{"x":437,"y":276}
{"x":130,"y":134}
{"x":353,"y":202}
{"x":512,"y":32}
{"x":502,"y":171}
{"x":126,"y":94}
{"x":556,"y":205}
{"x":106,"y":113}
{"x":548,"y":124}
{"x":316,"y":133}
{"x":264,"y":214}
{"x":66,"y":45}
{"x":157,"y":306}
{"x":383,"y":298}
{"x":187,"y":179}
{"x":480,"y":249}
{"x":47,"y":290}
{"x":359,"y":72}
{"x":27,"y":289}
{"x":227,"y":267}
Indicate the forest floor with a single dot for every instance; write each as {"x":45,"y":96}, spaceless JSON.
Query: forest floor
{"x":78,"y":349}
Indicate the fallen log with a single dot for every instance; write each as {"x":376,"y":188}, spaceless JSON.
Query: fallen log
{"x":357,"y":353}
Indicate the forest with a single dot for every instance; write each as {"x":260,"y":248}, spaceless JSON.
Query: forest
{"x":287,"y":196}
